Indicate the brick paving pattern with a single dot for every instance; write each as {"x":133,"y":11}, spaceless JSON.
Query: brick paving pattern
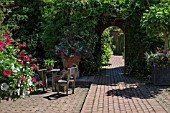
{"x":47,"y":103}
{"x":114,"y":92}
{"x":111,"y":92}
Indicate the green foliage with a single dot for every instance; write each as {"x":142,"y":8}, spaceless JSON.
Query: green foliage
{"x":28,"y":16}
{"x":156,"y":20}
{"x":49,"y":62}
{"x":106,"y":46}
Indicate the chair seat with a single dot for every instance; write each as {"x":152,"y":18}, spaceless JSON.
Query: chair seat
{"x":72,"y":80}
{"x":71,"y":77}
{"x":62,"y":81}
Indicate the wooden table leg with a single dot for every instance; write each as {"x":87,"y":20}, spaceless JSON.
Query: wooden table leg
{"x":46,"y":81}
{"x":53,"y":81}
{"x":42,"y":78}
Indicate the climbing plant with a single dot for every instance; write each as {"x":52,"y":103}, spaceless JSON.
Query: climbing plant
{"x":45,"y":22}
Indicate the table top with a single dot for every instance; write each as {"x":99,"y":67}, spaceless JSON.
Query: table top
{"x":53,"y":70}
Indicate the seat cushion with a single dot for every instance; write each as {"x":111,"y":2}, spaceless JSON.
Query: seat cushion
{"x":62,"y":81}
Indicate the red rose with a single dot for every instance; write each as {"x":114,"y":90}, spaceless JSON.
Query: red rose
{"x":7,"y":72}
{"x":19,"y":45}
{"x":6,"y":35}
{"x":21,"y":54}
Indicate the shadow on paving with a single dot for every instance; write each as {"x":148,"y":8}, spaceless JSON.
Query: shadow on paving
{"x":61,"y":94}
{"x":126,"y":86}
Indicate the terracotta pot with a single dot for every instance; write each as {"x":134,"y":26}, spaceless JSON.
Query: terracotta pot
{"x":49,"y":67}
{"x":76,"y":59}
{"x":67,"y":62}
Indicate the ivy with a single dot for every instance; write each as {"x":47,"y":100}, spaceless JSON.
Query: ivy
{"x":43,"y":23}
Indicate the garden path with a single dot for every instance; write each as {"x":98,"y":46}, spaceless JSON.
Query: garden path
{"x":114,"y":92}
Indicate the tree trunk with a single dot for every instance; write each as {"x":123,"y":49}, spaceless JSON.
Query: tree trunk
{"x":166,"y":34}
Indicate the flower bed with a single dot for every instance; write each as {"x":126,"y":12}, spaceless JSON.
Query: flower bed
{"x":16,"y":69}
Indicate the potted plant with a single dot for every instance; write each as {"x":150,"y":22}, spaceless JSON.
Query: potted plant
{"x":71,"y":52}
{"x":49,"y":64}
{"x":159,"y":65}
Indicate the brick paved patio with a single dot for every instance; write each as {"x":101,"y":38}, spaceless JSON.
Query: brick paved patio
{"x":47,"y":102}
{"x":112,"y":92}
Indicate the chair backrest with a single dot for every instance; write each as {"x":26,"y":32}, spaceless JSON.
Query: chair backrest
{"x":65,"y":74}
{"x":73,"y":71}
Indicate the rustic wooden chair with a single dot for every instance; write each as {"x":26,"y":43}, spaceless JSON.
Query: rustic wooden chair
{"x":67,"y":77}
{"x":73,"y":75}
{"x":63,"y":80}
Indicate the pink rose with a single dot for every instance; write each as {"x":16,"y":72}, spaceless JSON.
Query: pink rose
{"x":34,"y":80}
{"x":8,"y":41}
{"x":41,"y":83}
{"x":32,"y":66}
{"x":24,"y":44}
{"x":19,"y":82}
{"x":2,"y":44}
{"x":27,"y":59}
{"x":22,"y":77}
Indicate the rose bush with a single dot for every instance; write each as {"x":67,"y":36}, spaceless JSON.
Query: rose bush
{"x":16,"y":69}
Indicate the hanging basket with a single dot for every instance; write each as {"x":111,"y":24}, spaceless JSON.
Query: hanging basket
{"x":67,"y":62}
{"x":76,"y":59}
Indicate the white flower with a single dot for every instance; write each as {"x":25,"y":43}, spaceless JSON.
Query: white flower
{"x":16,"y":70}
{"x":4,"y":87}
{"x":18,"y":91}
{"x":24,"y":92}
{"x":11,"y":92}
{"x":30,"y":82}
{"x":13,"y":67}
